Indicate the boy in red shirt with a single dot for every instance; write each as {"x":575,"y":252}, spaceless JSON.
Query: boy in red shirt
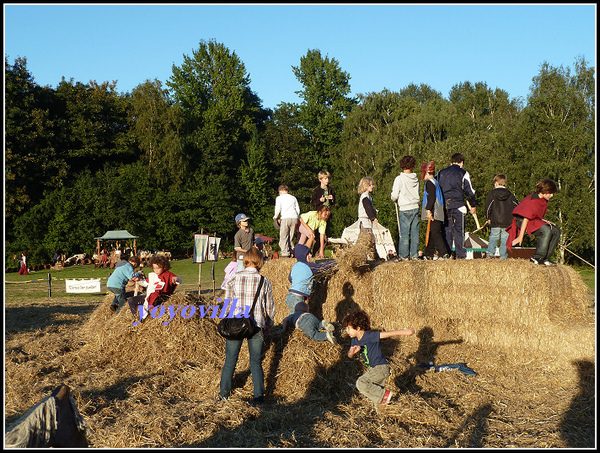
{"x":529,"y":217}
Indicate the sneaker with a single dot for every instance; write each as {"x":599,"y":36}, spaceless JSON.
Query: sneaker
{"x":330,"y":337}
{"x":113,"y":307}
{"x":548,"y":263}
{"x":328,"y":326}
{"x":387,"y":396}
{"x":445,"y":257}
{"x":258,"y":401}
{"x":534,"y":261}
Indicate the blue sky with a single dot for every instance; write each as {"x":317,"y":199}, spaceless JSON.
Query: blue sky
{"x":380,"y":46}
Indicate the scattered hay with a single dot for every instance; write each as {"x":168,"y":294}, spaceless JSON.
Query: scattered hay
{"x":525,"y":330}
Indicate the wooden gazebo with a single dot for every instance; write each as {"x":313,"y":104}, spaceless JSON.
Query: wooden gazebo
{"x":116,"y":236}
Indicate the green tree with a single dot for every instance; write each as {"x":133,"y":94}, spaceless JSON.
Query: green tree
{"x":288,"y":149}
{"x":157,"y":127}
{"x":220,"y":111}
{"x":32,"y":163}
{"x":325,"y":102}
{"x":91,"y":123}
{"x":558,"y":142}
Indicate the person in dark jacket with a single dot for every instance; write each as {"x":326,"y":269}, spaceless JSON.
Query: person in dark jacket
{"x":323,"y":195}
{"x":499,"y":205}
{"x":456,"y":186}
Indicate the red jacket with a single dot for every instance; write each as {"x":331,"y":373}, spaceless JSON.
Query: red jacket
{"x":163,"y":287}
{"x":531,"y":208}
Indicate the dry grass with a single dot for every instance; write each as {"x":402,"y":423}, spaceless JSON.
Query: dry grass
{"x":527,"y":331}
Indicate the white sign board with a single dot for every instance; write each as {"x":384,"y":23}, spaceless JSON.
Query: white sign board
{"x":83,"y":286}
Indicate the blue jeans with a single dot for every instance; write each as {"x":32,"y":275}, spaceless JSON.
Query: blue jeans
{"x":292,"y":299}
{"x":310,"y":325}
{"x":495,"y":234}
{"x":547,"y":240}
{"x":232,"y":350}
{"x":409,"y":233}
{"x":119,"y":299}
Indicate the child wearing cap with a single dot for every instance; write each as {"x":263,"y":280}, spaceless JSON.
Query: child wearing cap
{"x":243,"y":239}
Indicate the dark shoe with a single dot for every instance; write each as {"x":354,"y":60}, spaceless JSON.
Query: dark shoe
{"x":259,"y":401}
{"x":114,"y":307}
{"x":534,"y":261}
{"x":445,"y":257}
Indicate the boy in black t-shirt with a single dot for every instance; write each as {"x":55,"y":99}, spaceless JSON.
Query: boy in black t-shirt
{"x":366,"y":342}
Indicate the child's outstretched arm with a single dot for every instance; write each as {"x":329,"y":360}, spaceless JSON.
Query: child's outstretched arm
{"x":393,"y":333}
{"x":353,"y":351}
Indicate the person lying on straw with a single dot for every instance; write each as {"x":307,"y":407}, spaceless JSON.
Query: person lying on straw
{"x":309,"y":324}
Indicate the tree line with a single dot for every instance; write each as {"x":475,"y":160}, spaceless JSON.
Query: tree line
{"x":165,"y":162}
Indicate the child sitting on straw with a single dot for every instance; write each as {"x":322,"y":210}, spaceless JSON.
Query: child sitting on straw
{"x":310,"y":324}
{"x":161,"y":284}
{"x":366,"y":342}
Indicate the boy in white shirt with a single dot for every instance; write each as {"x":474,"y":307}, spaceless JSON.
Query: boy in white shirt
{"x":287,"y":206}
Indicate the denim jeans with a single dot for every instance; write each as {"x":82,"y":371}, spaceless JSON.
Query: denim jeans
{"x":292,"y":299}
{"x":310,"y":325}
{"x":232,"y":350}
{"x":495,"y":234}
{"x":372,"y":383}
{"x":547,"y":240}
{"x":119,"y":299}
{"x":409,"y":233}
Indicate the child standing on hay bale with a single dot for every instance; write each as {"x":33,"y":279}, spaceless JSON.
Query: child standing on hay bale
{"x":405,"y":192}
{"x":528,"y":217}
{"x":499,"y":205}
{"x":456,"y":186}
{"x":243,"y":239}
{"x":310,"y":223}
{"x":323,"y":194}
{"x":366,"y":342}
{"x":287,"y":206}
{"x":301,"y":277}
{"x":310,"y":324}
{"x":124,"y":271}
{"x":161,"y":284}
{"x":367,"y":214}
{"x":243,"y":287}
{"x":433,"y":213}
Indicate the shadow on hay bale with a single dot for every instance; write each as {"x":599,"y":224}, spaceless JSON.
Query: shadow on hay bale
{"x":511,"y":304}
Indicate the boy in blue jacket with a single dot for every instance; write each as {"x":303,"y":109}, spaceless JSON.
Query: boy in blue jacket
{"x":302,"y":276}
{"x":124,"y":271}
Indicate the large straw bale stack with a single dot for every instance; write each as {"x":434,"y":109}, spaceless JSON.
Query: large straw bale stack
{"x":511,"y":304}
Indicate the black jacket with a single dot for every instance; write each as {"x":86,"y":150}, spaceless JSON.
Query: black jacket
{"x":499,"y":205}
{"x":456,"y":186}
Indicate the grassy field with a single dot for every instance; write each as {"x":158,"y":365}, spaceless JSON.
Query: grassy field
{"x":35,"y":285}
{"x":186,"y":269}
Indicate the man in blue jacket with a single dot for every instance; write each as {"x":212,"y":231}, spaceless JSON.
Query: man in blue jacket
{"x":456,"y":186}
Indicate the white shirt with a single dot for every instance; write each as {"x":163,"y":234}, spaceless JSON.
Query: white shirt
{"x":287,"y":206}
